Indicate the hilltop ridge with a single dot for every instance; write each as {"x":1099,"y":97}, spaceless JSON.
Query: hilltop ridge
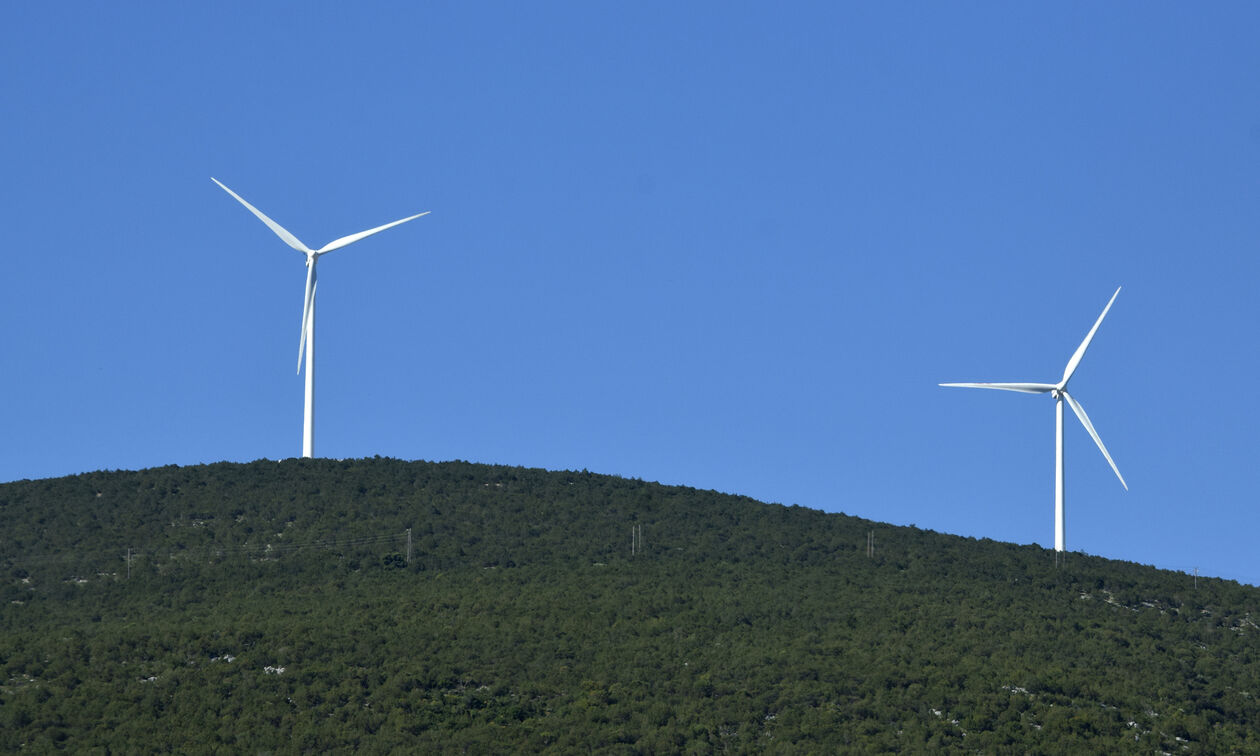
{"x":284,"y":605}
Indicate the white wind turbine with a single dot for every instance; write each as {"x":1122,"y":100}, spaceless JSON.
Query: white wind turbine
{"x":306,"y":342}
{"x":1059,"y":392}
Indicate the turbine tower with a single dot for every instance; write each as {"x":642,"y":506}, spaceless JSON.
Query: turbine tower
{"x":1060,"y":394}
{"x":306,"y":342}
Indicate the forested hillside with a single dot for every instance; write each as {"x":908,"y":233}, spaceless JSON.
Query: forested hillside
{"x":283,"y":606}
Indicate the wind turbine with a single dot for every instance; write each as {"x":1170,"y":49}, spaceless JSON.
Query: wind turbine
{"x":306,"y":342}
{"x":1060,"y":394}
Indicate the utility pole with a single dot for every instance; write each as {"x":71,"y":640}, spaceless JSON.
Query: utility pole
{"x":408,"y":545}
{"x":128,"y":562}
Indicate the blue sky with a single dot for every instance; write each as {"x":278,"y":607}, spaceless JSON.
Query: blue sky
{"x":727,"y":245}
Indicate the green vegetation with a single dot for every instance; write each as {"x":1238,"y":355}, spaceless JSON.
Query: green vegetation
{"x":272,"y":606}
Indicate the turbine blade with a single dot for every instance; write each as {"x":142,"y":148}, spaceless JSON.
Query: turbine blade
{"x":1025,"y":388}
{"x":307,"y":304}
{"x":288,"y":238}
{"x":352,"y":238}
{"x":1080,"y":350}
{"x":1080,"y":415}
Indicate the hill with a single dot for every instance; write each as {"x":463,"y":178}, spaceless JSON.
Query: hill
{"x":284,"y":606}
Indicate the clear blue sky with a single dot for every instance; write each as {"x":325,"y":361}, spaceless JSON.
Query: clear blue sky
{"x":728,"y":245}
